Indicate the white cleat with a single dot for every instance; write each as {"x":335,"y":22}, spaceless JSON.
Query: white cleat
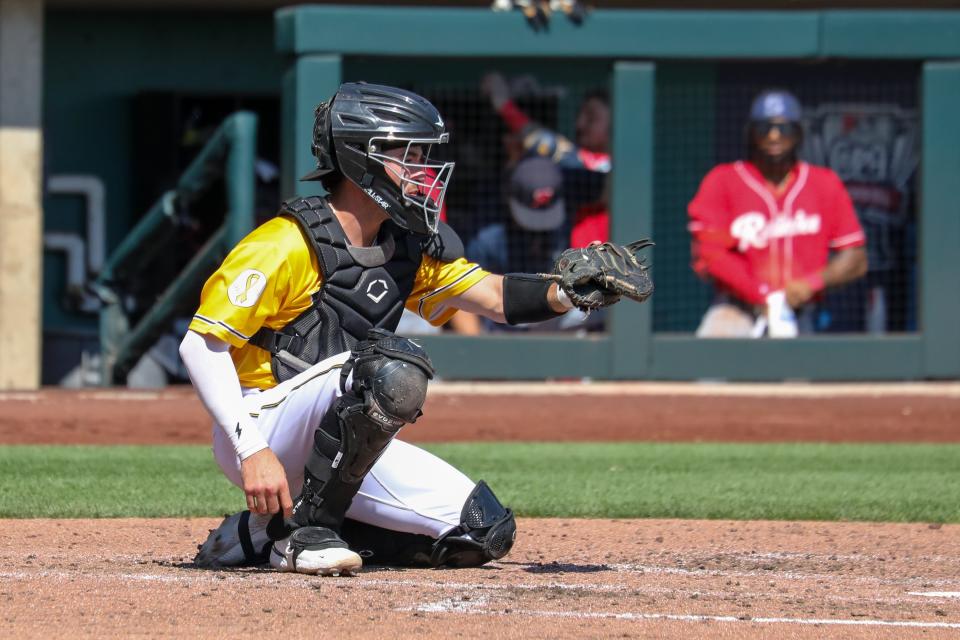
{"x":315,"y":551}
{"x":240,"y":540}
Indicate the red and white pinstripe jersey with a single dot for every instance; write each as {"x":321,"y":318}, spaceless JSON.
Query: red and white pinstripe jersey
{"x":753,"y":241}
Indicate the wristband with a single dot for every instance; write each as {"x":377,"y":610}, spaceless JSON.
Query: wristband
{"x":563,"y":298}
{"x":525,"y":299}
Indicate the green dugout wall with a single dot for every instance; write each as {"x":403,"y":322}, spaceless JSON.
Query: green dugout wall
{"x":327,"y":44}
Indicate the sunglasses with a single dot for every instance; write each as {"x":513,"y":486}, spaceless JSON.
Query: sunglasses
{"x":763,"y":128}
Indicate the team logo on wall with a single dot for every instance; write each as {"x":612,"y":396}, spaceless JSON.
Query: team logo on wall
{"x":874,"y":148}
{"x":247,"y":288}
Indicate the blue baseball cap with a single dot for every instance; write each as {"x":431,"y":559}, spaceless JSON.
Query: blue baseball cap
{"x":776,"y":104}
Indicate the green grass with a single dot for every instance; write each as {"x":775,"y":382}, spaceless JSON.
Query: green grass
{"x":902,"y":483}
{"x":110,"y":482}
{"x":919,"y":483}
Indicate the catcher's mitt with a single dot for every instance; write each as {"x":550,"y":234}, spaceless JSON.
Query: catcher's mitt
{"x":598,"y":275}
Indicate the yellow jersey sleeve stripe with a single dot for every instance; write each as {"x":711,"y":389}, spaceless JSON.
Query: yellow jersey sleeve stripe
{"x":218,"y":332}
{"x":424,"y":299}
{"x":210,"y":321}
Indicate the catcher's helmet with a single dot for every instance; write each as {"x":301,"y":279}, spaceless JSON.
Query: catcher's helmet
{"x":351,"y":132}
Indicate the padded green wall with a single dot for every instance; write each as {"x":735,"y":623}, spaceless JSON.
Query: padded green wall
{"x":94,"y":65}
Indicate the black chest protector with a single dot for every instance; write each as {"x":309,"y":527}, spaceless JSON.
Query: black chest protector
{"x":363,"y":288}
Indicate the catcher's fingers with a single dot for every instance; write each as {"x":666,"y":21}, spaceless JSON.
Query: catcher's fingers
{"x":273,"y":505}
{"x":286,"y":504}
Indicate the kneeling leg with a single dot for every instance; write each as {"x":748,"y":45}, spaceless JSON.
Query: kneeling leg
{"x":387,"y":391}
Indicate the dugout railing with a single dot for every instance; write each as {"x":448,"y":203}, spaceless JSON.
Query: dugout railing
{"x":329,"y":44}
{"x":126,"y":332}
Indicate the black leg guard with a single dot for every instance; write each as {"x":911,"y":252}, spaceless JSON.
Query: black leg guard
{"x":486,"y":533}
{"x":389,"y":388}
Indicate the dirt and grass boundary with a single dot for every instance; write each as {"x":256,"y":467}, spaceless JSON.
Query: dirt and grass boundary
{"x":564,"y":579}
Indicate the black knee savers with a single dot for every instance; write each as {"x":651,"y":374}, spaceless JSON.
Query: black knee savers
{"x":486,"y":532}
{"x":388,"y":389}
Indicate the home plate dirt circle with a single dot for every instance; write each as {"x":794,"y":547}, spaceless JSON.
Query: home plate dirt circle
{"x":564,"y":579}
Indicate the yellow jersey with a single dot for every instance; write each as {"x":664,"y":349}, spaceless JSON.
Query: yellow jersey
{"x":269,"y":279}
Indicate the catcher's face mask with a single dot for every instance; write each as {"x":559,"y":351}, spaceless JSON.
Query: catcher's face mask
{"x":422,"y":180}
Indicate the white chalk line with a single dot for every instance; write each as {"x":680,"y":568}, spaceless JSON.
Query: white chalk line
{"x":643,"y":589}
{"x":936,"y":594}
{"x":368,"y":578}
{"x":779,"y":573}
{"x":438,"y":607}
{"x":647,"y":590}
{"x":477,"y":604}
{"x":210,"y":577}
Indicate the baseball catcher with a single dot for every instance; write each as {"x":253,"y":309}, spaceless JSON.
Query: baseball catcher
{"x":293,"y":354}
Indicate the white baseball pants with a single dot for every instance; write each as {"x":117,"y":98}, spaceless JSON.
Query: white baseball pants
{"x":407,"y":490}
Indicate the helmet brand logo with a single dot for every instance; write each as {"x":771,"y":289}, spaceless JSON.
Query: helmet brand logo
{"x":377,"y":289}
{"x":376,"y":198}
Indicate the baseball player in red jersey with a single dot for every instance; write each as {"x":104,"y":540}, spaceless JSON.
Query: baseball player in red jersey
{"x":772,"y":232}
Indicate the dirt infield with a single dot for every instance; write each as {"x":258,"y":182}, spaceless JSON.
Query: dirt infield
{"x":564,"y":579}
{"x":556,"y":411}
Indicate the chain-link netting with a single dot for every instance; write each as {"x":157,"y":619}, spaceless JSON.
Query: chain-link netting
{"x":530,"y":177}
{"x":860,"y":120}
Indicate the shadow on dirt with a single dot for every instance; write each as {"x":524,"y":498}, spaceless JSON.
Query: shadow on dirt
{"x":564,"y":567}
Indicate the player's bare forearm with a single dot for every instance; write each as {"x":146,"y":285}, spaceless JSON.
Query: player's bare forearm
{"x":845,"y":266}
{"x":484,"y":298}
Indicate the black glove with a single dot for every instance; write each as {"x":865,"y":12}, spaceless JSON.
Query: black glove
{"x":598,"y":275}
